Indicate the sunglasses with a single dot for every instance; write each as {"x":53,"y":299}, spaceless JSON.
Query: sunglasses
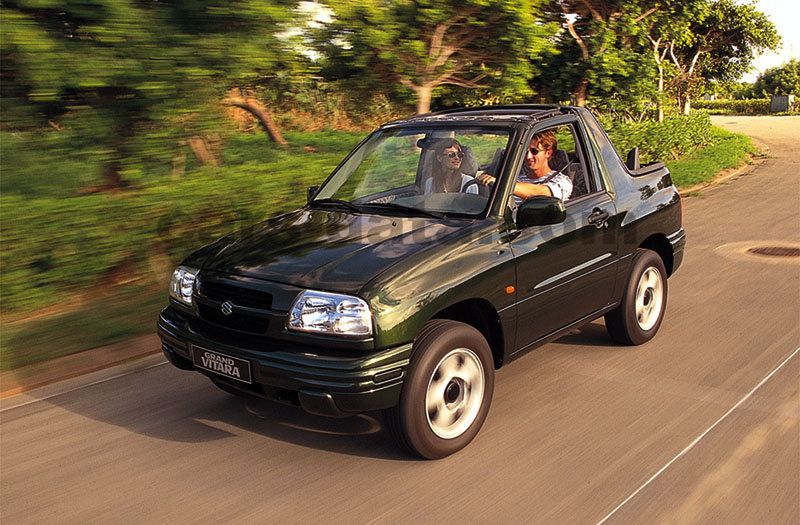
{"x":535,"y":151}
{"x":454,"y":154}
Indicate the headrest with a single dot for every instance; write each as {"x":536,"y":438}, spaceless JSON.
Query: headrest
{"x":559,"y":160}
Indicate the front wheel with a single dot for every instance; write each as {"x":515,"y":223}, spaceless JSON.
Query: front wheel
{"x":447,"y":392}
{"x":637,"y":319}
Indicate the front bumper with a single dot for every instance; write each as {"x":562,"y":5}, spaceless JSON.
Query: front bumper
{"x":325,"y":382}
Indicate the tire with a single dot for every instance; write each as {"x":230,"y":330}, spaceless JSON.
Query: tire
{"x":638,"y":317}
{"x":447,"y":391}
{"x":225,"y":387}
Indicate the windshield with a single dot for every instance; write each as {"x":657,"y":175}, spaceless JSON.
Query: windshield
{"x":429,"y":171}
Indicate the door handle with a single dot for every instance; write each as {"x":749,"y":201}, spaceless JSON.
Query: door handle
{"x":599,"y":218}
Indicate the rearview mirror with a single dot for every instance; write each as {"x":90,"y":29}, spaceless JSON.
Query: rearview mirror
{"x":312,"y":192}
{"x":538,"y":211}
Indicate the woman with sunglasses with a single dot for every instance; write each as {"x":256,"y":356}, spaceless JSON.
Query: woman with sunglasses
{"x":537,"y":177}
{"x":447,"y":176}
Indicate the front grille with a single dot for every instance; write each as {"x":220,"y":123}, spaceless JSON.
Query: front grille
{"x":235,"y":321}
{"x":221,"y":292}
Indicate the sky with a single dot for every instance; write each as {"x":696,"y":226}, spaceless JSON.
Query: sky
{"x":785,"y":14}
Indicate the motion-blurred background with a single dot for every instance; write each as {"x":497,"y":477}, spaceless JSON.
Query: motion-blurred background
{"x":132,"y":131}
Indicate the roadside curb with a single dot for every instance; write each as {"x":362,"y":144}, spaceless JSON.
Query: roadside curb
{"x":26,"y":378}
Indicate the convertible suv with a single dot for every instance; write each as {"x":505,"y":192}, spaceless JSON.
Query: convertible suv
{"x":382,"y":293}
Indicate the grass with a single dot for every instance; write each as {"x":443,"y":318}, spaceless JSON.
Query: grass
{"x":255,"y":178}
{"x":728,"y":150}
{"x":116,"y":317}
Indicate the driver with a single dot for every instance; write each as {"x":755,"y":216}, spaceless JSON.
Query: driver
{"x":537,"y":177}
{"x":447,"y":176}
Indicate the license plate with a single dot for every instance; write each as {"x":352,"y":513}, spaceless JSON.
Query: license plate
{"x":221,"y":364}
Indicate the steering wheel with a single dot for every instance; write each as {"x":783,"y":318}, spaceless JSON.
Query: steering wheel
{"x":473,"y":182}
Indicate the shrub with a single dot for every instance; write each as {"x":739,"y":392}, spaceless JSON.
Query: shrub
{"x":671,"y":139}
{"x":57,"y":243}
{"x":734,"y":107}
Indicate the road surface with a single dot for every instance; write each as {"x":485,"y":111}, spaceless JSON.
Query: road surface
{"x":701,"y":425}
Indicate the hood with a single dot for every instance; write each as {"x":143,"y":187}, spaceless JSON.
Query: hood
{"x":325,"y":249}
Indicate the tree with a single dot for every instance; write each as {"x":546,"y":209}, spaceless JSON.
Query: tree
{"x":118,"y":68}
{"x":424,"y":44}
{"x":783,"y":80}
{"x":601,"y":55}
{"x":722,"y":46}
{"x":669,"y":25}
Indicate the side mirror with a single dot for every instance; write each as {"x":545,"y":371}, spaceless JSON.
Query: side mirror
{"x":538,"y":211}
{"x":312,"y":192}
{"x":633,"y":159}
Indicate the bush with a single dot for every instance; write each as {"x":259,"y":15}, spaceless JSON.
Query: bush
{"x":55,"y":243}
{"x":671,"y":139}
{"x":734,"y":107}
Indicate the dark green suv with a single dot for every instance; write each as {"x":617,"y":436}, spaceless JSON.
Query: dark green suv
{"x":420,"y":266}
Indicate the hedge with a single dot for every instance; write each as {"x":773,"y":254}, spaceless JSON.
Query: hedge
{"x":671,"y":139}
{"x":734,"y":107}
{"x":56,"y":242}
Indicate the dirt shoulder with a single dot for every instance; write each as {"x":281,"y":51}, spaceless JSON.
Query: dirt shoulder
{"x":17,"y":381}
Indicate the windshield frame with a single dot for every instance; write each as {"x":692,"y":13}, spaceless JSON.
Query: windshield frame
{"x":514,"y":130}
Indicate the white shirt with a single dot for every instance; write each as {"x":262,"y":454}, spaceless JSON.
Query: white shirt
{"x":465,"y":179}
{"x":560,"y":185}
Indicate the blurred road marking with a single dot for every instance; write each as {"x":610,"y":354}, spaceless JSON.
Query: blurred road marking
{"x":99,"y":381}
{"x":699,"y":438}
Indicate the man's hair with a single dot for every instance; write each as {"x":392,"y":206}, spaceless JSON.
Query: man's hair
{"x":547,"y":140}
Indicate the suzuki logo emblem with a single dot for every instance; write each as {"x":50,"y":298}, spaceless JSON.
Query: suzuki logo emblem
{"x":226,"y":308}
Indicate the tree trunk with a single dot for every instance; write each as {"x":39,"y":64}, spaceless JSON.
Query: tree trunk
{"x":660,"y":100}
{"x":178,"y":165}
{"x":687,"y":104}
{"x":423,"y":99}
{"x":580,"y":93}
{"x":262,"y":114}
{"x":112,"y":178}
{"x":202,"y":151}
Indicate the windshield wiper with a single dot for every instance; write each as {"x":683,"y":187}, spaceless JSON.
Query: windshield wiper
{"x":337,"y":202}
{"x":408,"y":210}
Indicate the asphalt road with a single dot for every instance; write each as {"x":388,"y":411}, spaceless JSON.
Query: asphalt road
{"x":701,"y":425}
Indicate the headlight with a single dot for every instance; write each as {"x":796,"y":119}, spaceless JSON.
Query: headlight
{"x":182,"y":284}
{"x":330,"y":313}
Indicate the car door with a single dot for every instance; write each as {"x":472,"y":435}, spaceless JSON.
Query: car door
{"x":567,"y":271}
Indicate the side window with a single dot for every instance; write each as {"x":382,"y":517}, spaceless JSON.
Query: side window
{"x":571,"y":160}
{"x":568,"y":158}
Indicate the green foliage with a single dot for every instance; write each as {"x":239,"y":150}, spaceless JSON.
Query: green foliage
{"x":675,"y":137}
{"x":601,"y":56}
{"x":734,"y":107}
{"x":730,"y":37}
{"x":117,"y":70}
{"x":783,"y":80}
{"x":725,"y":151}
{"x":422,"y":44}
{"x":56,"y":243}
{"x":125,"y":313}
{"x":722,"y":46}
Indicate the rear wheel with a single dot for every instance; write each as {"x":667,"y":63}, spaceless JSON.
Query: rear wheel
{"x":447,"y":392}
{"x":637,"y":319}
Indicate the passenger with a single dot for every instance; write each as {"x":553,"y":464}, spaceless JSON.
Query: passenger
{"x":447,"y":176}
{"x":536,"y":177}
